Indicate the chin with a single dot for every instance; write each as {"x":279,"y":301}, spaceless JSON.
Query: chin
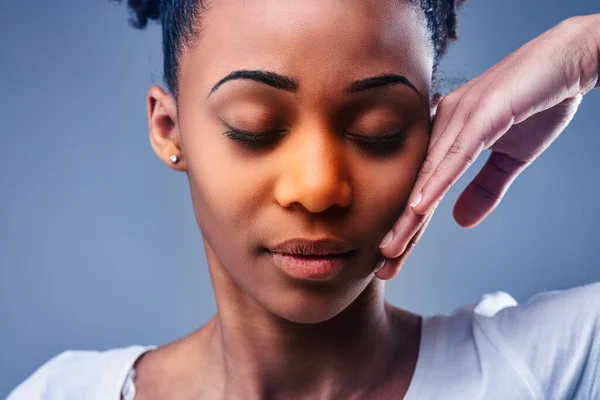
{"x":314,"y":304}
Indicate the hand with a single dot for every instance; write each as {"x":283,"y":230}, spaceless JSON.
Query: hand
{"x":516,"y":108}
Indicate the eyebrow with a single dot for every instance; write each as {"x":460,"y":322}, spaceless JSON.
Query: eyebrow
{"x":288,"y":84}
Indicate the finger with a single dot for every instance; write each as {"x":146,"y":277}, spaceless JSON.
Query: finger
{"x":409,"y":222}
{"x":447,"y":114}
{"x":393,"y":265}
{"x":402,"y":231}
{"x":486,"y":190}
{"x":482,"y":126}
{"x":447,"y":109}
{"x":443,"y":117}
{"x":459,"y":157}
{"x":439,"y":145}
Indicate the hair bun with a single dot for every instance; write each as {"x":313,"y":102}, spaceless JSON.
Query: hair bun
{"x":142,"y":11}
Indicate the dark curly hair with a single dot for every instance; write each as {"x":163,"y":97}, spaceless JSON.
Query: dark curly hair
{"x":180,"y":18}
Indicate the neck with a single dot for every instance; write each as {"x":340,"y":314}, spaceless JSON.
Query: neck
{"x":260,"y":355}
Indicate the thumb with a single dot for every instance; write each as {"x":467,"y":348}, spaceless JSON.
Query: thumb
{"x":486,"y":190}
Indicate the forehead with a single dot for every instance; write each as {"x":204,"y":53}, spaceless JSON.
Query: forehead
{"x":321,"y":43}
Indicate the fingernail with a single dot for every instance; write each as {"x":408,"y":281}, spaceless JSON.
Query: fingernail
{"x":380,"y":265}
{"x":387,"y":239}
{"x":417,"y":200}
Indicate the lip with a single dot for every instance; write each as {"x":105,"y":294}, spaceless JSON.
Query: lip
{"x":304,"y":247}
{"x":310,"y":267}
{"x":311,"y":259}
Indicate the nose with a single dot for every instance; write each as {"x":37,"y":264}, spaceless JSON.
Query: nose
{"x":313,"y":172}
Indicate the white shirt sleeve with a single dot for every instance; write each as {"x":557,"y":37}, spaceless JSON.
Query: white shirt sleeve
{"x":556,"y":337}
{"x":36,"y":385}
{"x":81,"y":374}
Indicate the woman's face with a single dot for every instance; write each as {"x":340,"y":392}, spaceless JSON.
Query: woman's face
{"x":316,"y":179}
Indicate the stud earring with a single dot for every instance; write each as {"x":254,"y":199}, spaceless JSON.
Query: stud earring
{"x":174,"y":158}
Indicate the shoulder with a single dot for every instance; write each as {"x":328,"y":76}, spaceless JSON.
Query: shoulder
{"x":78,"y":374}
{"x":552,"y":315}
{"x":554,"y":338}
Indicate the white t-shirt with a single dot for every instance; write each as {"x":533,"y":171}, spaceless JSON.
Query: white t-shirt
{"x":547,"y":348}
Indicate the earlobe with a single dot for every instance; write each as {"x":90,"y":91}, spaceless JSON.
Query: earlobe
{"x":164,"y":131}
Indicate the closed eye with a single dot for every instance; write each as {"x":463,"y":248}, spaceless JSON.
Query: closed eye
{"x":386,"y":142}
{"x":381,"y":140}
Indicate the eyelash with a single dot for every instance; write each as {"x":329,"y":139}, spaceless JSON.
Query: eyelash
{"x":264,"y":138}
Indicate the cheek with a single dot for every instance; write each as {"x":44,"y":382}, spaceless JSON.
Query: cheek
{"x":386,"y":186}
{"x":222,"y":192}
{"x":221,"y":188}
{"x":229,"y":190}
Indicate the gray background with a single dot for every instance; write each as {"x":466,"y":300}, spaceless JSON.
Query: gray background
{"x":99,"y":247}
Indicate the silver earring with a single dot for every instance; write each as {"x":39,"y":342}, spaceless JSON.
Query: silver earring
{"x":174,"y":158}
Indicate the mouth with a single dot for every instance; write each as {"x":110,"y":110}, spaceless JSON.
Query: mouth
{"x":311,"y":266}
{"x":307,"y":259}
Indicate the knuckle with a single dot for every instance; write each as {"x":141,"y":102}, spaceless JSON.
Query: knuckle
{"x":506,"y":165}
{"x":497,"y":112}
{"x":449,"y":182}
{"x":487,"y":193}
{"x":468,"y":160}
{"x":471,"y":102}
{"x":574,"y":23}
{"x":460,"y":149}
{"x":426,"y":169}
{"x":456,"y":147}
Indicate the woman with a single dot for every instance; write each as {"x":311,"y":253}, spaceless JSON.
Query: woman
{"x":305,"y":130}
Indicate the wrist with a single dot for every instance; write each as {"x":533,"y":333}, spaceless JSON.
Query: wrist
{"x":595,"y":33}
{"x":591,"y":25}
{"x":584,"y":45}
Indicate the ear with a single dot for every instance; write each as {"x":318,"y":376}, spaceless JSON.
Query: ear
{"x":435,"y":100}
{"x":164,"y":130}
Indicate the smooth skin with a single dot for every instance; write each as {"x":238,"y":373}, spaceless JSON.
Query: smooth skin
{"x":516,"y":109}
{"x":274,"y":336}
